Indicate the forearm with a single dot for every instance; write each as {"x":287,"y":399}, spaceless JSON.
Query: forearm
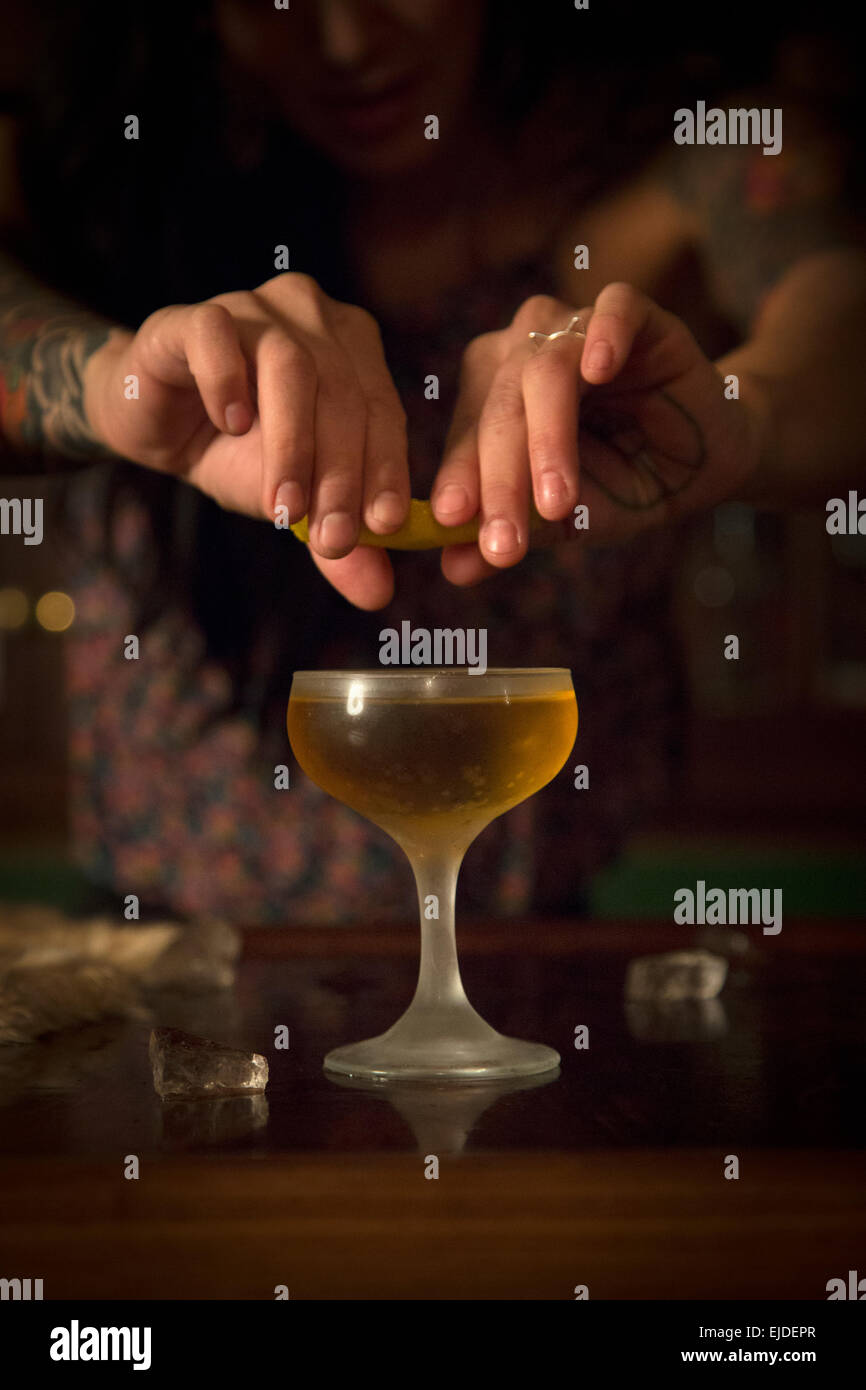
{"x":46,"y":345}
{"x":801,"y":379}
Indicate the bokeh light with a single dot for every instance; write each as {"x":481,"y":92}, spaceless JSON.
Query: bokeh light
{"x":55,"y":611}
{"x":14,"y":609}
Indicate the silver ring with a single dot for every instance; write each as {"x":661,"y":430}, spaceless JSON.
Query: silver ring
{"x":570,"y":332}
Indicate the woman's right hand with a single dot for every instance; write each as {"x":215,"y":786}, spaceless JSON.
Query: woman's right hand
{"x":273,"y":397}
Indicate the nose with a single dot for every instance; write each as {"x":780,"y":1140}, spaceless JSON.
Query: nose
{"x":343,"y":34}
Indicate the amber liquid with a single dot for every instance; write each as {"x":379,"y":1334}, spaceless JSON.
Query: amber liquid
{"x":433,"y":772}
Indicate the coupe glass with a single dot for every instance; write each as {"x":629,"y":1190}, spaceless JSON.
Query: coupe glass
{"x":433,"y":757}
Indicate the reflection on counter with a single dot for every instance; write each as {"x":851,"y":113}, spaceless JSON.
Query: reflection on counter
{"x":442,"y":1115}
{"x":676,"y":1020}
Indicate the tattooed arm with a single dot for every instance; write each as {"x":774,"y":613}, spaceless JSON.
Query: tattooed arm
{"x":46,"y":343}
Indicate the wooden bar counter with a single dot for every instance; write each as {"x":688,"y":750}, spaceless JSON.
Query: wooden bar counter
{"x":609,"y":1174}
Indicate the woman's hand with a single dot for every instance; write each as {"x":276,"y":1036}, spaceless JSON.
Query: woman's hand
{"x":631,"y":421}
{"x":273,"y":397}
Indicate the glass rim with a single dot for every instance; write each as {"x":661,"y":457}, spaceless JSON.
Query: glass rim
{"x":424,"y":672}
{"x":432,"y":683}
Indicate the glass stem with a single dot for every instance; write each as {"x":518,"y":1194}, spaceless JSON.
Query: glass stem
{"x":439,"y":984}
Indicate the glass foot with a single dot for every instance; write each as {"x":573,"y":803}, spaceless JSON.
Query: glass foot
{"x":431,"y":1045}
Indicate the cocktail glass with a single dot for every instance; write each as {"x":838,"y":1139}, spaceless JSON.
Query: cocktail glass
{"x":433,"y":757}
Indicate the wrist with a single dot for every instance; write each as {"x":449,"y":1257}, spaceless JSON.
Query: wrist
{"x":757,"y":409}
{"x":101,"y":383}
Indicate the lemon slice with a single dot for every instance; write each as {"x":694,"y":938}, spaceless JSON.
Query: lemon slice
{"x":420,"y":531}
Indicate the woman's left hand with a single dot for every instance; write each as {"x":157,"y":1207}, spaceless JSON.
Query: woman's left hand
{"x":631,"y":421}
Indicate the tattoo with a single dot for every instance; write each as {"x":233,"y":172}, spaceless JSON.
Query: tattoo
{"x":627,"y":465}
{"x":45,"y":343}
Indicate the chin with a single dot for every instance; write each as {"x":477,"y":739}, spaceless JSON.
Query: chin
{"x":384,"y":165}
{"x":368,"y":159}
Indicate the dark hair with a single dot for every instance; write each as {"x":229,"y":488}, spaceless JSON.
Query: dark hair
{"x":129,"y":226}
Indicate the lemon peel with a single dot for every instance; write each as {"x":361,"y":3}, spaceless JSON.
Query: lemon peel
{"x":420,"y":531}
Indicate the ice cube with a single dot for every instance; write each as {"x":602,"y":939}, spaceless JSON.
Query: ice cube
{"x":676,"y":975}
{"x":188,"y":1067}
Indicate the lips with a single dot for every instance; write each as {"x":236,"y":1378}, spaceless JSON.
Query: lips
{"x":373,"y":114}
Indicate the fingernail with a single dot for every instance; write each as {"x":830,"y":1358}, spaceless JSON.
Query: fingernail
{"x":387,"y":508}
{"x":600,"y":358}
{"x":452,"y":498}
{"x":337,"y":531}
{"x":238,"y":418}
{"x":553,"y":488}
{"x":290,"y":495}
{"x":500,"y":537}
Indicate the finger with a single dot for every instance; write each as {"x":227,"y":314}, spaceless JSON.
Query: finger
{"x":287,"y":385}
{"x":199,"y":344}
{"x":386,"y":490}
{"x":464,"y":565}
{"x":339,"y":430}
{"x":338,"y":467}
{"x":551,"y":391}
{"x":541,"y":314}
{"x":365,"y":577}
{"x":620,"y":313}
{"x":456,"y":494}
{"x":503,"y":456}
